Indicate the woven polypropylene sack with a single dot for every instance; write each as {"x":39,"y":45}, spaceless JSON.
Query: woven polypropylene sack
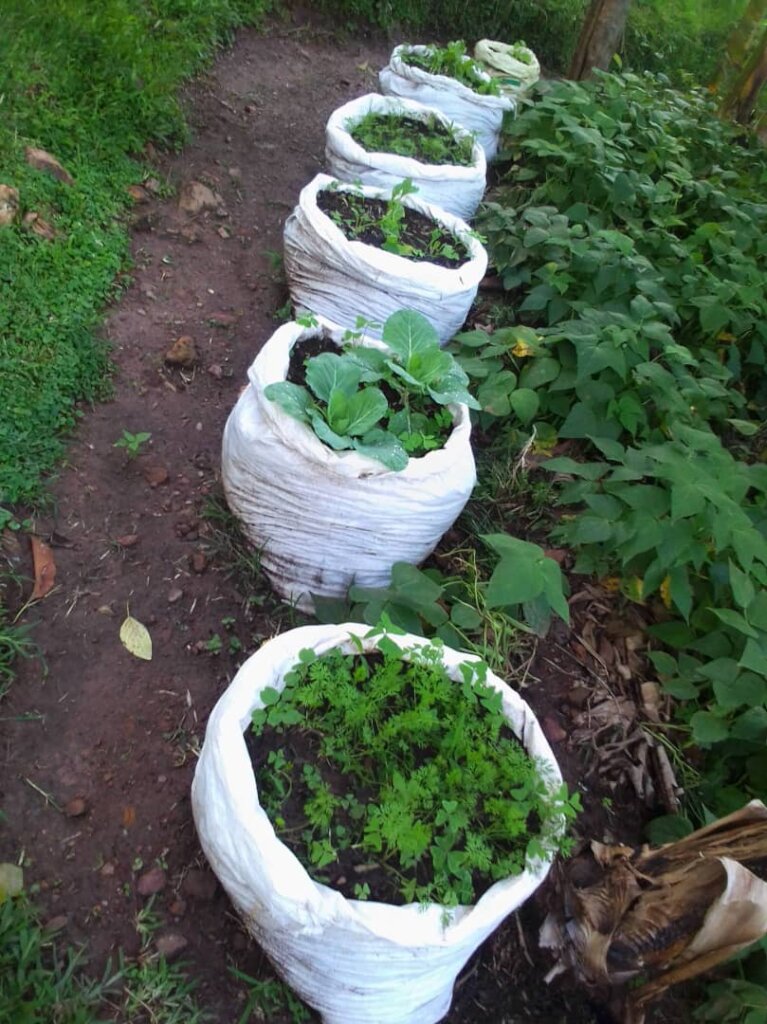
{"x":338,"y":279}
{"x":482,"y":115}
{"x":457,"y":189}
{"x":324,"y":519}
{"x":356,"y":962}
{"x":514,"y":76}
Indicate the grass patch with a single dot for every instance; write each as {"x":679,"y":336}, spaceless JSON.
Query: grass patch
{"x":91,"y":84}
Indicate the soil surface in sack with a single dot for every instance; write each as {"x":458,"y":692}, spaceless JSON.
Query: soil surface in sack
{"x":97,"y":747}
{"x":420,"y":239}
{"x":429,"y":142}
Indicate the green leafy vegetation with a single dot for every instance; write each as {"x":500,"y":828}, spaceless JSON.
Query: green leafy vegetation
{"x":628,"y":235}
{"x":91,"y":84}
{"x":452,"y":60}
{"x":451,"y":800}
{"x":39,"y":981}
{"x":427,"y":140}
{"x":345,"y":403}
{"x":132,"y":443}
{"x":390,"y":225}
{"x":676,"y":37}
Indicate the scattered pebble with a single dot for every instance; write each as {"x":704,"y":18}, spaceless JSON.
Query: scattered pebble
{"x":552,"y":730}
{"x":151,"y":882}
{"x":200,"y":885}
{"x":170,"y":944}
{"x":182,"y":353}
{"x":57,"y":923}
{"x":156,"y":475}
{"x":215,"y":371}
{"x":199,"y":561}
{"x":76,"y":808}
{"x":128,"y":540}
{"x":175,"y":594}
{"x":178,"y":908}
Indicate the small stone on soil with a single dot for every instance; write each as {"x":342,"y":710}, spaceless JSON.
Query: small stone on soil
{"x":215,"y":371}
{"x":43,"y":161}
{"x":199,"y":561}
{"x":201,"y":885}
{"x":57,"y":923}
{"x":182,"y":353}
{"x":195,"y":197}
{"x":177,"y":908}
{"x":76,"y":807}
{"x":151,"y":882}
{"x":128,"y":540}
{"x":107,"y":869}
{"x":171,"y":944}
{"x":222,"y":319}
{"x":175,"y":594}
{"x":552,"y":730}
{"x":9,"y":205}
{"x":156,"y":475}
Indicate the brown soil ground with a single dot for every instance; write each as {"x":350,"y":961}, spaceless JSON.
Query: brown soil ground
{"x":97,"y":747}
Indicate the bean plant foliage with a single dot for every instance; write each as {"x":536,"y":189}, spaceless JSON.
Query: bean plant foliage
{"x":628,"y":233}
{"x":406,"y":768}
{"x":343,"y":401}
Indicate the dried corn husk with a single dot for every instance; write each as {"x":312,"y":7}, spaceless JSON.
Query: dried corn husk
{"x":664,"y":915}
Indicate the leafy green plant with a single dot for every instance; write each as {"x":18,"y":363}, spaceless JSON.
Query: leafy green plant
{"x":390,"y":225}
{"x":452,"y":802}
{"x":38,"y":980}
{"x":132,"y":443}
{"x":269,"y":996}
{"x":452,"y":60}
{"x":425,"y":139}
{"x":345,"y":406}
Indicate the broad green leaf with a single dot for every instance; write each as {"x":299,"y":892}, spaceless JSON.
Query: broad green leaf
{"x":407,"y":332}
{"x":754,"y":656}
{"x":539,"y":372}
{"x":328,"y":373}
{"x":384,"y":448}
{"x":751,"y":725}
{"x":735,"y":620}
{"x":668,"y":828}
{"x":269,"y":696}
{"x":747,"y":689}
{"x":537,"y":615}
{"x":745,"y":427}
{"x":325,"y":433}
{"x":525,"y":403}
{"x":518,"y":576}
{"x":135,"y":638}
{"x":365,"y":408}
{"x":756,"y":613}
{"x":743,"y":590}
{"x":493,"y":394}
{"x":291,"y":398}
{"x":708,"y":729}
{"x":465,"y":617}
{"x":421,"y":593}
{"x":451,"y":389}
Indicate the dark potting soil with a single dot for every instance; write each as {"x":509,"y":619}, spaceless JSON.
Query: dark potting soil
{"x":416,"y":228}
{"x":305,"y":350}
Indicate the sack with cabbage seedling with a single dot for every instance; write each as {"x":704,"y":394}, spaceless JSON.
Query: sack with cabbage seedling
{"x":340,"y":462}
{"x":381,"y":140}
{"x":350,"y":247}
{"x":446,"y":78}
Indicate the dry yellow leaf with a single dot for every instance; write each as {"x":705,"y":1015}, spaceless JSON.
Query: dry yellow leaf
{"x":135,"y":638}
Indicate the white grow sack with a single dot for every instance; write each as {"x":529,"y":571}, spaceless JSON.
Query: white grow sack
{"x":327,"y":519}
{"x":480,"y":114}
{"x":356,"y":962}
{"x":457,"y":189}
{"x":337,"y":279}
{"x":513,"y":76}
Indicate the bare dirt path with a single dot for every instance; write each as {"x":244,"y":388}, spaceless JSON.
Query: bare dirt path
{"x":97,"y":751}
